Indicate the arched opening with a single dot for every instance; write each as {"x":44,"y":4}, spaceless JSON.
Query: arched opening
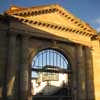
{"x":51,"y":74}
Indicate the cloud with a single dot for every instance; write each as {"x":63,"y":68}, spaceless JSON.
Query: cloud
{"x":97,"y":23}
{"x":98,"y":29}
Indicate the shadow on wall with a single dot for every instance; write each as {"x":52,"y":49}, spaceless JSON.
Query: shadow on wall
{"x":89,"y":66}
{"x":90,"y":92}
{"x":15,"y":73}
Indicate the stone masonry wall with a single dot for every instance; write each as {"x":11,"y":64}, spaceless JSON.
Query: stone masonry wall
{"x":3,"y":52}
{"x":96,"y":68}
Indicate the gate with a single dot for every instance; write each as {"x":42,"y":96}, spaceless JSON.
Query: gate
{"x":51,"y":76}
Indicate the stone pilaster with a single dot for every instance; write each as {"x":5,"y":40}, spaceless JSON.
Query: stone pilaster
{"x":89,"y":75}
{"x":81,"y":94}
{"x":11,"y":67}
{"x":75,"y":75}
{"x":24,"y":70}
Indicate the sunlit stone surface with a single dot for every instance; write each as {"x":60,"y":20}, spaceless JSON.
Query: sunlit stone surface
{"x":26,"y":31}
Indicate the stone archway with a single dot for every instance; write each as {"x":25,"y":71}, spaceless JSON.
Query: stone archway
{"x":75,"y":53}
{"x":51,"y":58}
{"x":25,"y":36}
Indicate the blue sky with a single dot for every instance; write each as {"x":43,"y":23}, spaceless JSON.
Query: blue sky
{"x":87,"y":10}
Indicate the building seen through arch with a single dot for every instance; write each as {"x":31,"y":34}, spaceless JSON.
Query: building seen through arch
{"x":50,"y":74}
{"x":47,"y":53}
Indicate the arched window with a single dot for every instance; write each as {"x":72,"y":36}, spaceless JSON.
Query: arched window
{"x":50,"y":73}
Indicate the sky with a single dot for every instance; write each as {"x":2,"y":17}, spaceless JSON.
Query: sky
{"x":86,"y":10}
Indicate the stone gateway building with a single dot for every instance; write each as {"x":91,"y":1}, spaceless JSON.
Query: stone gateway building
{"x":24,"y":32}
